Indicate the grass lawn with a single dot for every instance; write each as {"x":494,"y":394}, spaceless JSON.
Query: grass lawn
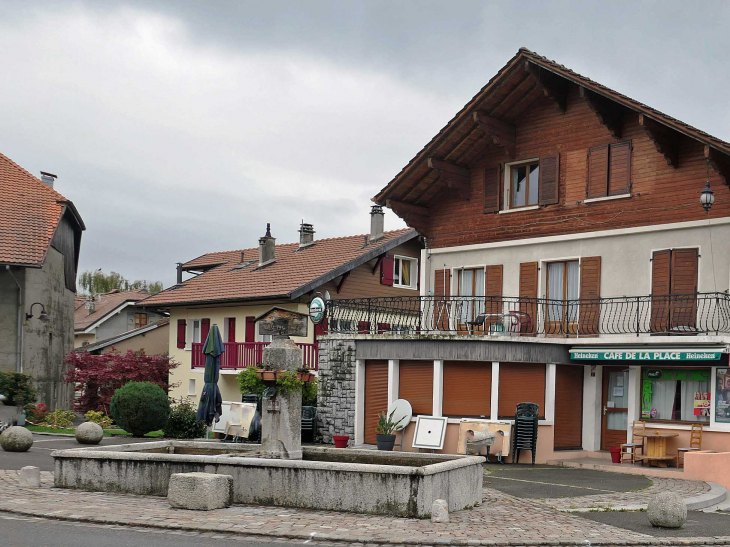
{"x":107,"y":432}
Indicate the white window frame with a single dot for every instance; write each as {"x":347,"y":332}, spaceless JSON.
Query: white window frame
{"x":190,"y":339}
{"x":414,"y":272}
{"x":508,"y":185}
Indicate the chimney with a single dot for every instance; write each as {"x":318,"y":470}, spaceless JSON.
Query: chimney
{"x":267,"y":248}
{"x":306,"y":235}
{"x":377,"y":223}
{"x":48,"y":178}
{"x":178,"y":267}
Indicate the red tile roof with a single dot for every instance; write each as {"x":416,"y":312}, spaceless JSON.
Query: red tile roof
{"x":29,"y":213}
{"x":293,"y":271}
{"x":103,"y":306}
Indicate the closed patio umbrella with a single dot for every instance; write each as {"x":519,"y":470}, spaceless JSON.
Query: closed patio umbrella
{"x":209,"y":407}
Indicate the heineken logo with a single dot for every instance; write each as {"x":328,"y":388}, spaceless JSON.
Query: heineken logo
{"x":317,"y":308}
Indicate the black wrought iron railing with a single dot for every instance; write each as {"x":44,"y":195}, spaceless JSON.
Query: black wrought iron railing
{"x":687,"y":314}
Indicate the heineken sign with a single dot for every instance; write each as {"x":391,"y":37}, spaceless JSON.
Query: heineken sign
{"x":317,"y":309}
{"x":646,"y":354}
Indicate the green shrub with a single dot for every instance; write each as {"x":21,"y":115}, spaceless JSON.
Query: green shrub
{"x":249,"y":381}
{"x":183,"y":422}
{"x":287,"y":382}
{"x":140,"y":407}
{"x":17,"y":388}
{"x":309,"y":393}
{"x":100,"y":418}
{"x":59,"y":418}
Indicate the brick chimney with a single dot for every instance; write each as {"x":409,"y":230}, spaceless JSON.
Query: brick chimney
{"x":48,"y":178}
{"x":306,"y":235}
{"x":267,"y":248}
{"x":377,"y":223}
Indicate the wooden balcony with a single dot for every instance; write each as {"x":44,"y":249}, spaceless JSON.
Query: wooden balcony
{"x":239,"y":355}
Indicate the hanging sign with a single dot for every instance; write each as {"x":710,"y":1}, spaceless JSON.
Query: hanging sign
{"x":317,"y":309}
{"x":646,"y":354}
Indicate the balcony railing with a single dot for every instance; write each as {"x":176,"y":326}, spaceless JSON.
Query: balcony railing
{"x":689,"y":314}
{"x":240,"y":355}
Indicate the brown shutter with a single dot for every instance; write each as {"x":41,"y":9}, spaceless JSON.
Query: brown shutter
{"x":493,"y":293}
{"x":568,"y":429}
{"x":491,"y":189}
{"x":467,"y":389}
{"x":520,"y":383}
{"x":441,"y":293}
{"x":589,"y":313}
{"x":684,"y":287}
{"x":597,"y":172}
{"x":376,"y":395}
{"x":661,"y":265}
{"x":415,"y":385}
{"x":619,"y":169}
{"x":528,"y":295}
{"x":549,"y":179}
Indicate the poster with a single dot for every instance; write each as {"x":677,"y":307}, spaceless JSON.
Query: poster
{"x":722,"y":396}
{"x":618,"y":391}
{"x":702,"y":404}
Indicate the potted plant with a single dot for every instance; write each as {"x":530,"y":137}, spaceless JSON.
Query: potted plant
{"x":385,"y":431}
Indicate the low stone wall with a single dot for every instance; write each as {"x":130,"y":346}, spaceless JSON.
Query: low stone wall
{"x":406,"y":489}
{"x":336,"y":393}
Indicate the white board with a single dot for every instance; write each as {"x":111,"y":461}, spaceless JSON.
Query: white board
{"x":226,"y":416}
{"x":430,"y":432}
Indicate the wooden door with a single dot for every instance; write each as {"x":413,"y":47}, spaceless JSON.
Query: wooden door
{"x":614,"y":407}
{"x":376,"y":396}
{"x":250,"y":329}
{"x":568,"y":429}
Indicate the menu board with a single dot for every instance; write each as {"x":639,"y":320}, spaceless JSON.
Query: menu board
{"x":722,"y":399}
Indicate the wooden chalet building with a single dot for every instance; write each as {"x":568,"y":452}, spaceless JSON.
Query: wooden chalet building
{"x":569,"y":263}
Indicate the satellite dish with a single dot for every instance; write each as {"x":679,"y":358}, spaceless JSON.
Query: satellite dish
{"x":326,"y":295}
{"x":402,"y":413}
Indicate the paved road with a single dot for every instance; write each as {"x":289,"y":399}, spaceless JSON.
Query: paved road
{"x":24,"y":532}
{"x":698,"y":524}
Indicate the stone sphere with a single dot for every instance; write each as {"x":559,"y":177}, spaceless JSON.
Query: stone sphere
{"x":16,"y":439}
{"x":89,"y":433}
{"x":667,"y":510}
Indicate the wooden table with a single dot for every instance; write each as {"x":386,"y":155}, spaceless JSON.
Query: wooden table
{"x":655,"y":448}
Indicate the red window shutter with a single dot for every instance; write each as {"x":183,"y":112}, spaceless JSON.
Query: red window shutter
{"x":549,"y":179}
{"x":231,"y":329}
{"x":181,"y":331}
{"x":250,"y":329}
{"x":590,"y":288}
{"x":597,"y":185}
{"x":386,"y":270}
{"x":204,"y":329}
{"x":491,"y":189}
{"x":383,"y":327}
{"x":363,"y":327}
{"x":619,"y":169}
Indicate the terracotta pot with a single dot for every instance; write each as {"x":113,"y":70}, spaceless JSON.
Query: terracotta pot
{"x":340,"y":440}
{"x":269,"y":375}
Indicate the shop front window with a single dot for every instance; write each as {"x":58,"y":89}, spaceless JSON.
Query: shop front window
{"x":722,"y":396}
{"x":675,"y":395}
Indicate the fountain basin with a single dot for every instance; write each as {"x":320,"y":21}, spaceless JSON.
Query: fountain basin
{"x":363,"y":481}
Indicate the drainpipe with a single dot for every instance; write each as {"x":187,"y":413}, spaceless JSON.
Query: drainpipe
{"x":19,"y":351}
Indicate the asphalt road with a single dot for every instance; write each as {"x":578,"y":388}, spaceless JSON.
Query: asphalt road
{"x":26,"y":532}
{"x":698,"y":524}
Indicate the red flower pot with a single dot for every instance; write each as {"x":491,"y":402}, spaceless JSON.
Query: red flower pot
{"x":340,"y":440}
{"x":615,"y":454}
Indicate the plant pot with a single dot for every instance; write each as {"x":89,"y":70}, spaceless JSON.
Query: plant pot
{"x":340,"y":440}
{"x":305,"y":376}
{"x":615,"y":454}
{"x":385,"y":442}
{"x":268,"y":376}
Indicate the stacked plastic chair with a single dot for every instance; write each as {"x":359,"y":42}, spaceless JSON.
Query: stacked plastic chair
{"x":524,"y":433}
{"x":309,"y":423}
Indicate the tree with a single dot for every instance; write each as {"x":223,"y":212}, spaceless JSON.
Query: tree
{"x":98,"y":376}
{"x":99,"y":283}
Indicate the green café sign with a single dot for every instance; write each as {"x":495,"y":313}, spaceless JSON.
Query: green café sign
{"x":646,"y":354}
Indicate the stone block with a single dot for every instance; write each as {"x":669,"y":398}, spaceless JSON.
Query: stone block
{"x":16,"y":439}
{"x":440,"y":511}
{"x":200,"y":491}
{"x":89,"y":433}
{"x":667,"y":510}
{"x":29,"y":477}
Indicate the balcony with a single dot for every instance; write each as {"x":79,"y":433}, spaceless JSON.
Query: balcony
{"x":239,"y":355}
{"x":672,"y":315}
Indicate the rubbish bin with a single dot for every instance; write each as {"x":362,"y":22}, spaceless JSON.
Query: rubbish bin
{"x":615,"y":454}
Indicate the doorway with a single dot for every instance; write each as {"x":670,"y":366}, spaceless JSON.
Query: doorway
{"x":615,"y":406}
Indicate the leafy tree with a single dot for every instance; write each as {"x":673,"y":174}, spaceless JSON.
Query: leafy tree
{"x":98,"y":376}
{"x":100,"y":283}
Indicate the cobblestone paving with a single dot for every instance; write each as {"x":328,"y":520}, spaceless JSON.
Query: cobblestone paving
{"x":500,"y":520}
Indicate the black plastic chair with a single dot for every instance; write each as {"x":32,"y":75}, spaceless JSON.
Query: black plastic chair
{"x":309,"y":423}
{"x":524,"y":433}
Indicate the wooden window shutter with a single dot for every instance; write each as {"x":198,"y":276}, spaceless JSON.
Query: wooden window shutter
{"x":204,"y":329}
{"x":589,"y":313}
{"x":661,"y":287}
{"x":415,"y":385}
{"x":568,"y":428}
{"x":549,"y":179}
{"x":467,"y":389}
{"x":491,"y":189}
{"x":619,"y":169}
{"x":441,"y":293}
{"x":528,"y":295}
{"x":181,"y":332}
{"x":520,"y":383}
{"x":231,"y":329}
{"x":684,"y":288}
{"x":597,"y":185}
{"x":386,"y":270}
{"x":376,"y":396}
{"x":493,"y":292}
{"x":250,"y":329}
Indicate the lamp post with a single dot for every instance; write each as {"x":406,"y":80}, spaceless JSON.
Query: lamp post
{"x":43,"y":315}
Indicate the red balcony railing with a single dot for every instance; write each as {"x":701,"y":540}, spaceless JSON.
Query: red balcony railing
{"x":240,"y":355}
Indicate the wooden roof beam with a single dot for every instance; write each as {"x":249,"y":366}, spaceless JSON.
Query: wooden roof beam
{"x":407,"y":207}
{"x":415,"y":216}
{"x":665,"y":140}
{"x":719,"y":162}
{"x":453,"y":176}
{"x":500,"y":132}
{"x":553,"y":86}
{"x":608,"y":111}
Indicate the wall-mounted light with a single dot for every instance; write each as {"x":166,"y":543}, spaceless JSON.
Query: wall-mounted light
{"x":43,"y":315}
{"x":707,"y":197}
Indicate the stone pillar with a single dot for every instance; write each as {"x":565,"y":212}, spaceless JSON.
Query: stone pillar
{"x":336,"y":397}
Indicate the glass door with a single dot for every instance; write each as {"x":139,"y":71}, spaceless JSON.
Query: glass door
{"x":615,"y":406}
{"x":562,"y":294}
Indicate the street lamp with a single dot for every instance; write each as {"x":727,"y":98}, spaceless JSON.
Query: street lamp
{"x":43,"y":316}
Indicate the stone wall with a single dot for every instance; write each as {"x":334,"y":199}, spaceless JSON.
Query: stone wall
{"x":336,"y":395}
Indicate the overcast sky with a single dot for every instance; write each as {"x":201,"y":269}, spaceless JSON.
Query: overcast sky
{"x":179,"y":128}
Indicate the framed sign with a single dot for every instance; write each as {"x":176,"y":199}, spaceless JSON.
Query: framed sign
{"x":430,"y":432}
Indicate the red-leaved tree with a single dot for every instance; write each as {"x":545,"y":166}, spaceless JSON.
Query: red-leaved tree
{"x":96,"y":377}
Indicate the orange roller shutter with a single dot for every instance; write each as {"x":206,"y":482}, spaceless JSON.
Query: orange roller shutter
{"x":415,"y":384}
{"x":376,"y":396}
{"x":467,"y":389}
{"x":568,"y":429}
{"x":520,"y":383}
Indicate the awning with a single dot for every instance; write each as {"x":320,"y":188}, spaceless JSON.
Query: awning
{"x":647,"y":354}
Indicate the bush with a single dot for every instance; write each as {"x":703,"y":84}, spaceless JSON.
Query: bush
{"x":309,"y":393}
{"x":36,"y":413}
{"x":287,"y":382}
{"x":17,"y":388}
{"x":249,"y":381}
{"x":59,"y":418}
{"x":183,"y":422}
{"x":99,"y":418}
{"x":140,"y":407}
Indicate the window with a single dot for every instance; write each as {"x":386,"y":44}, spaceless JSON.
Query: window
{"x":405,"y":272}
{"x":522,"y":184}
{"x":471,"y":283}
{"x":520,"y":383}
{"x":191,"y":387}
{"x":196,"y":331}
{"x":562,"y":293}
{"x":675,"y":394}
{"x":140,"y":320}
